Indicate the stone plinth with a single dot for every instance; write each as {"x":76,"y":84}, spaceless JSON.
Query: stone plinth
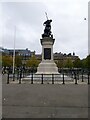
{"x":47,"y":65}
{"x":47,"y":43}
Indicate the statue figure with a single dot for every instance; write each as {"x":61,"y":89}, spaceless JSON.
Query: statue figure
{"x":47,"y":30}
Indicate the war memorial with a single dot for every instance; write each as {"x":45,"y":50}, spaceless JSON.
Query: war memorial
{"x":46,"y":93}
{"x":47,"y":67}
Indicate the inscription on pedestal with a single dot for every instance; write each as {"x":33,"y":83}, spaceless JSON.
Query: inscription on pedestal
{"x":47,"y":53}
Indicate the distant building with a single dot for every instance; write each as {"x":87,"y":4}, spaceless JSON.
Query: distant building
{"x":26,"y":54}
{"x":60,"y":56}
{"x":4,"y":51}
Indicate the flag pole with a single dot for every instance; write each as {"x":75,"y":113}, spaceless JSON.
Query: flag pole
{"x":14,"y":54}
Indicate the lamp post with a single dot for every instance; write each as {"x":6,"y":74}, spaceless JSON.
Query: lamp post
{"x":14,"y":54}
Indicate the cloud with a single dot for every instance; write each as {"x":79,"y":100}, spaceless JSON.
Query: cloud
{"x":68,"y":25}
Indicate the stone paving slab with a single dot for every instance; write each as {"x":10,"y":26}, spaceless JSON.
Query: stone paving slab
{"x":44,"y":112}
{"x":25,"y":99}
{"x":44,"y":100}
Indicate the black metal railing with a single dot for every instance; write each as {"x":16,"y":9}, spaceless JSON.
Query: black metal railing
{"x":63,"y":78}
{"x":77,"y":75}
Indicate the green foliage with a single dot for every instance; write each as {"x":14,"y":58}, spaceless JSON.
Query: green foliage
{"x":64,"y":63}
{"x":7,"y":61}
{"x":68,"y":63}
{"x":18,"y":61}
{"x":0,"y":60}
{"x":60,"y":64}
{"x":88,"y":61}
{"x":33,"y":62}
{"x":77,"y":63}
{"x":84,"y":63}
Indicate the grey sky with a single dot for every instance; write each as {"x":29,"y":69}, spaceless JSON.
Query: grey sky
{"x":69,"y":28}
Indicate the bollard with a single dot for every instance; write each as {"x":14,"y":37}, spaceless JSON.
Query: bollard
{"x":75,"y":79}
{"x":71,"y":75}
{"x":88,"y":79}
{"x":78,"y":76}
{"x":23,"y":73}
{"x":42,"y":79}
{"x":52,"y":78}
{"x":13,"y":76}
{"x":82,"y":77}
{"x":17,"y":75}
{"x":20,"y":77}
{"x":32,"y":79}
{"x":63,"y":79}
{"x":8,"y":78}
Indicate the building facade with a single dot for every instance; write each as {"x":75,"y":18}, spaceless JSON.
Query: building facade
{"x":26,"y":54}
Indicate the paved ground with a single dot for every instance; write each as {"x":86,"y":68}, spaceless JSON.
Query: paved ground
{"x":44,"y":101}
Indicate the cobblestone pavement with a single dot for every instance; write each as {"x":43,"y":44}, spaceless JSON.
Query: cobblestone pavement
{"x":44,"y":100}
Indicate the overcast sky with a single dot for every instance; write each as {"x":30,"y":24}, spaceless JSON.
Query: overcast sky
{"x":69,"y":28}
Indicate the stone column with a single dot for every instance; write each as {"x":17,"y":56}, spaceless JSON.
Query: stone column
{"x":47,"y":46}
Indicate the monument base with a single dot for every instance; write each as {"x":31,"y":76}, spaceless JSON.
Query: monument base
{"x":47,"y":67}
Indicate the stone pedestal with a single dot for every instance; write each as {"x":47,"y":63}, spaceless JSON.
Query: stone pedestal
{"x":47,"y":65}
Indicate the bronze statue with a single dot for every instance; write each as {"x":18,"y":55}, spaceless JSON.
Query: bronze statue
{"x":47,"y":30}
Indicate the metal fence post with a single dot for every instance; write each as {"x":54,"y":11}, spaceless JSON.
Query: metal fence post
{"x":52,"y":78}
{"x":75,"y":79}
{"x":82,"y":77}
{"x":17,"y":74}
{"x":78,"y":76}
{"x":23,"y":73}
{"x":20,"y":77}
{"x":8,"y":78}
{"x":71,"y":74}
{"x":88,"y":79}
{"x":32,"y":79}
{"x":42,"y":79}
{"x":63,"y":79}
{"x":13,"y":74}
